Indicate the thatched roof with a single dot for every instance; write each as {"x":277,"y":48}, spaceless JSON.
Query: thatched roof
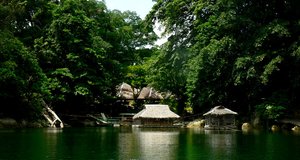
{"x":219,"y":110}
{"x":125,"y":91}
{"x":156,"y":111}
{"x":149,"y":93}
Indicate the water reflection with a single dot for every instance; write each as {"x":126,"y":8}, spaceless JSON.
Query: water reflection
{"x":143,"y":143}
{"x":51,"y":142}
{"x":222,"y":144}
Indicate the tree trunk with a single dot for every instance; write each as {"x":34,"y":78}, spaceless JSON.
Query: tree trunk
{"x":51,"y":116}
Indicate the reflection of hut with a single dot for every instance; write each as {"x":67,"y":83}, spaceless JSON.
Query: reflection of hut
{"x":155,"y":115}
{"x":220,"y":117}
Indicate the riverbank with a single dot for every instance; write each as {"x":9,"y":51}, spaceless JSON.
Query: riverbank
{"x":87,"y":121}
{"x":12,"y":123}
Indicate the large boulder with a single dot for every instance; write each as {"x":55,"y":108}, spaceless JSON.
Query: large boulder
{"x":12,"y":123}
{"x":275,"y":128}
{"x":246,"y":127}
{"x":296,"y":129}
{"x":8,"y":123}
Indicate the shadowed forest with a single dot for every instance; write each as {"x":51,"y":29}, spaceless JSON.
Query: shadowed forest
{"x":73,"y":55}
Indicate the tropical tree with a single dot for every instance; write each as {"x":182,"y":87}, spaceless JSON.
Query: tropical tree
{"x":240,"y":52}
{"x":22,"y":83}
{"x":73,"y":54}
{"x":133,"y":43}
{"x":77,"y":49}
{"x":87,"y":50}
{"x":167,"y":73}
{"x":28,"y":19}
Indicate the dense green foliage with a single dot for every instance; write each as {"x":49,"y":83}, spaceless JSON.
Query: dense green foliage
{"x":168,"y":72}
{"x":241,"y":53}
{"x":74,"y":55}
{"x":22,"y":81}
{"x":71,"y":54}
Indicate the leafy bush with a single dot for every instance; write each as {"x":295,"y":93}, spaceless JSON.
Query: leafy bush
{"x":270,"y":111}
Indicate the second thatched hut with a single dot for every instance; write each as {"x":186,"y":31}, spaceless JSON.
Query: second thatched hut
{"x":220,"y":117}
{"x":155,"y":115}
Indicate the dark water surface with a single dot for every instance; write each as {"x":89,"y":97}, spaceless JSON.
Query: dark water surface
{"x":143,"y":144}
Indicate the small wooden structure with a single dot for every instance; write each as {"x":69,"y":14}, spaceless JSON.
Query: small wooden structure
{"x":219,"y":118}
{"x":126,"y":119}
{"x":155,"y":115}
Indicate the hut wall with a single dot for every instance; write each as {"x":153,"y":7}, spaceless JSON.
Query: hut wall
{"x":216,"y":122}
{"x":229,"y":120}
{"x":137,"y":121}
{"x":154,"y":122}
{"x":212,"y":120}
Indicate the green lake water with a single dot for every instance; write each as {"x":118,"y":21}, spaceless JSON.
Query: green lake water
{"x":143,"y":144}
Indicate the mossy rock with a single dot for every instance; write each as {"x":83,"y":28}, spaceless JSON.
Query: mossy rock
{"x":275,"y":128}
{"x":199,"y":123}
{"x":12,"y":123}
{"x":246,"y":127}
{"x":8,"y":123}
{"x":296,"y":129}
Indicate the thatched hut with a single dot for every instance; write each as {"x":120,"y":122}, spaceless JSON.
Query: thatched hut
{"x":125,"y":91}
{"x":155,"y":115}
{"x":149,"y":93}
{"x":220,"y":117}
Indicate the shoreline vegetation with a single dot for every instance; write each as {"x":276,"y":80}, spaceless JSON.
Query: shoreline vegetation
{"x":71,"y":57}
{"x":6,"y":123}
